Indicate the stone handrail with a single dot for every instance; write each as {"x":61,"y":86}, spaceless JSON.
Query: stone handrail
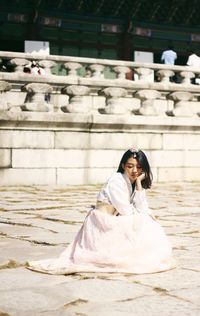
{"x":85,"y":86}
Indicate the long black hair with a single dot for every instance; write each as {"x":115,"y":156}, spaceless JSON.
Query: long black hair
{"x":141,"y":158}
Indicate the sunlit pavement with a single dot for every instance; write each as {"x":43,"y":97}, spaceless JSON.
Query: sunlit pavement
{"x":39,"y":222}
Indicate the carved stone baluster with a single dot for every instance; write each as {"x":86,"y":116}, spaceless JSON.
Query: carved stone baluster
{"x":186,"y":77}
{"x":47,"y":65}
{"x":147,"y":98}
{"x":143,"y":73}
{"x":121,"y":71}
{"x":19,"y":64}
{"x":97,"y":71}
{"x":165,"y":75}
{"x":4,"y":87}
{"x":114,"y":100}
{"x":182,"y":105}
{"x":72,"y":68}
{"x":77,"y":103}
{"x":36,"y":97}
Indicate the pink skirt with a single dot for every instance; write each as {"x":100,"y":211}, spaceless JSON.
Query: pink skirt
{"x":120,"y":244}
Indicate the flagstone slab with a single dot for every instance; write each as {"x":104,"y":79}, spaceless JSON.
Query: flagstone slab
{"x":21,"y":251}
{"x":177,"y":278}
{"x":147,"y":305}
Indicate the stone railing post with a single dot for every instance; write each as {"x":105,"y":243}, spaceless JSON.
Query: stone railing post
{"x":121,"y":71}
{"x":76,"y":99}
{"x":114,"y":100}
{"x":47,"y":65}
{"x":97,"y":71}
{"x":165,"y":75}
{"x":147,"y":98}
{"x":4,"y":87}
{"x":143,"y":73}
{"x":36,"y":97}
{"x":19,"y":64}
{"x":72,"y":68}
{"x":186,"y":77}
{"x":181,"y":104}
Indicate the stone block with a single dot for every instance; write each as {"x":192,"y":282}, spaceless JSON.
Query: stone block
{"x":38,"y":158}
{"x":147,"y":141}
{"x":166,"y":158}
{"x":100,"y":175}
{"x":72,"y":140}
{"x":26,"y":139}
{"x":82,"y":176}
{"x":5,"y":158}
{"x":191,"y":174}
{"x":122,"y":141}
{"x":192,"y":159}
{"x":59,"y":158}
{"x":27,"y":176}
{"x":72,"y":176}
{"x":181,"y":141}
{"x":155,"y":174}
{"x":178,"y":174}
{"x":103,"y":158}
{"x":170,"y":174}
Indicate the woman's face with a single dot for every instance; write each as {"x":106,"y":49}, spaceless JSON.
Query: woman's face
{"x":132,"y":169}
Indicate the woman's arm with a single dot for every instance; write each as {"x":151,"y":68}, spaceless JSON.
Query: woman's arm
{"x":119,"y":196}
{"x":140,"y":200}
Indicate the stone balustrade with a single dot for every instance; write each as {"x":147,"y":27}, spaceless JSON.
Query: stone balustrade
{"x":91,"y":73}
{"x":71,"y":124}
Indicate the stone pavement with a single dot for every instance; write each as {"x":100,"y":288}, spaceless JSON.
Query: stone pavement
{"x":39,"y":222}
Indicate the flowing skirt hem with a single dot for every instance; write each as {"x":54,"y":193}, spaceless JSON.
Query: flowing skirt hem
{"x":74,"y":269}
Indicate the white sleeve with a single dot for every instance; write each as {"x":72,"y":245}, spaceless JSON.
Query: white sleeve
{"x":140,"y":202}
{"x":118,"y":194}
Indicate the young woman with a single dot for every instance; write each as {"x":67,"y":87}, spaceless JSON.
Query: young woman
{"x":119,"y":234}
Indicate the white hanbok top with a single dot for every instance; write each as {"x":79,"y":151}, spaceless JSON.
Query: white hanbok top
{"x":119,"y":193}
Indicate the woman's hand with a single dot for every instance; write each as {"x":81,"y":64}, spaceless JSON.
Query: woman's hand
{"x":139,"y":180}
{"x":141,"y":176}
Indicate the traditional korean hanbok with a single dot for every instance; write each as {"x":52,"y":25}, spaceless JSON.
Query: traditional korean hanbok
{"x":118,"y":235}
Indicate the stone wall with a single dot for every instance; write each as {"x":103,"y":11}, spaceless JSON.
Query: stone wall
{"x":73,"y":129}
{"x":86,"y":149}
